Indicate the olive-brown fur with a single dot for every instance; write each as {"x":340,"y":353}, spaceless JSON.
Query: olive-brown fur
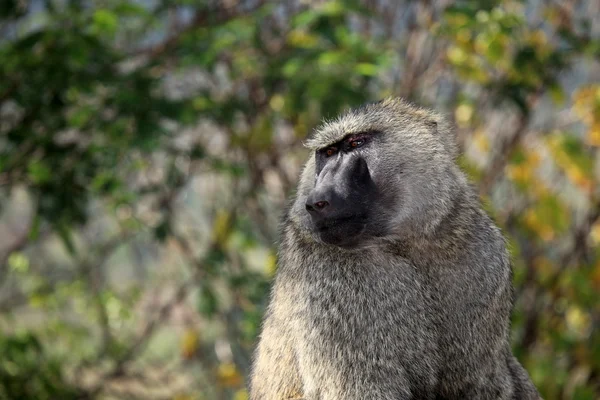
{"x":419,"y":310}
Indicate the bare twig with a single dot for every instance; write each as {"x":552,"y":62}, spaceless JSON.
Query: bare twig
{"x":139,"y":344}
{"x":89,"y":269}
{"x":576,"y":254}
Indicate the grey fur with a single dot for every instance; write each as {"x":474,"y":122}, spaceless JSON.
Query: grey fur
{"x":420,"y":311}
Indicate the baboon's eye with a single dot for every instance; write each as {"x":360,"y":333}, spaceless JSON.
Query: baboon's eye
{"x":330,"y":151}
{"x":355,"y":142}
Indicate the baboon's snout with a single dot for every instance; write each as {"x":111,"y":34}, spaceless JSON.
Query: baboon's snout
{"x":340,"y":202}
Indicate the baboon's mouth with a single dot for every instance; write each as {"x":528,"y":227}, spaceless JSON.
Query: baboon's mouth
{"x":342,"y":232}
{"x":333,"y":223}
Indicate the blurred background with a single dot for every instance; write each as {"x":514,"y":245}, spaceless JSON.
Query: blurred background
{"x":147,"y":148}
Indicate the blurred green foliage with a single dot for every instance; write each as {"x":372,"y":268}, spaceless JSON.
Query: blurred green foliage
{"x":147,"y":149}
{"x":28,"y":373}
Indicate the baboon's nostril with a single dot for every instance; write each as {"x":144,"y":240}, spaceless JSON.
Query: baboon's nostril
{"x":317,"y":206}
{"x":321,"y":204}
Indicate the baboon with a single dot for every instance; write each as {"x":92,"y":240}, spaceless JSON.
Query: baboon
{"x":392,"y":282}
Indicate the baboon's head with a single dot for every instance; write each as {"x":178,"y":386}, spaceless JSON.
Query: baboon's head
{"x":382,"y":171}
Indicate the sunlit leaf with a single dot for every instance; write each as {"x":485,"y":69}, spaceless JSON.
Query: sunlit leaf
{"x":18,"y":262}
{"x":105,"y":21}
{"x":228,"y":375}
{"x":190,"y":342}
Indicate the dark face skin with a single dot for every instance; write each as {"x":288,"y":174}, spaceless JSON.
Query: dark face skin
{"x":344,"y":194}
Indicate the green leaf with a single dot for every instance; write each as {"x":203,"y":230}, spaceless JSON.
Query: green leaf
{"x":557,"y":93}
{"x":207,"y":302}
{"x":80,"y":117}
{"x":104,"y":22}
{"x":39,"y":172}
{"x":367,"y":69}
{"x":34,"y":232}
{"x":64,"y":232}
{"x":18,"y":262}
{"x":129,"y":9}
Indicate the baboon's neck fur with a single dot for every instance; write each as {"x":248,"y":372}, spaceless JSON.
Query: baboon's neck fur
{"x":453,"y":235}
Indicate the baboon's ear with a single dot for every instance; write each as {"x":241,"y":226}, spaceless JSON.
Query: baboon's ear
{"x":445,"y":130}
{"x":433,"y":125}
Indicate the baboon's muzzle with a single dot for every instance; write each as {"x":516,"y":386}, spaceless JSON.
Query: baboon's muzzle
{"x":341,"y":201}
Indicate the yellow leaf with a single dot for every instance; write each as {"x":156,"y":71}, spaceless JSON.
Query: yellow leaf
{"x":456,"y":55}
{"x":578,"y":321}
{"x":222,"y":225}
{"x":464,"y":114}
{"x":533,"y":158}
{"x":241,"y":394}
{"x":593,"y":136}
{"x":463,"y":36}
{"x":532,"y":220}
{"x":302,"y":39}
{"x":271,"y":265}
{"x":595,"y":233}
{"x":577,"y":176}
{"x":228,"y":375}
{"x":457,"y":19}
{"x":520,"y":173}
{"x":585,"y":103}
{"x":481,"y":141}
{"x":183,"y":397}
{"x":189,"y":343}
{"x":546,"y":233}
{"x":277,"y":102}
{"x":539,"y":189}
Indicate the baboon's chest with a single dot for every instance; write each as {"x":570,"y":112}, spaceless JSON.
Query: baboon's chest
{"x":374,"y":317}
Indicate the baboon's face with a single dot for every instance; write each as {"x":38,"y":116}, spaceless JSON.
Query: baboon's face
{"x":343,"y":202}
{"x":382,"y":171}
